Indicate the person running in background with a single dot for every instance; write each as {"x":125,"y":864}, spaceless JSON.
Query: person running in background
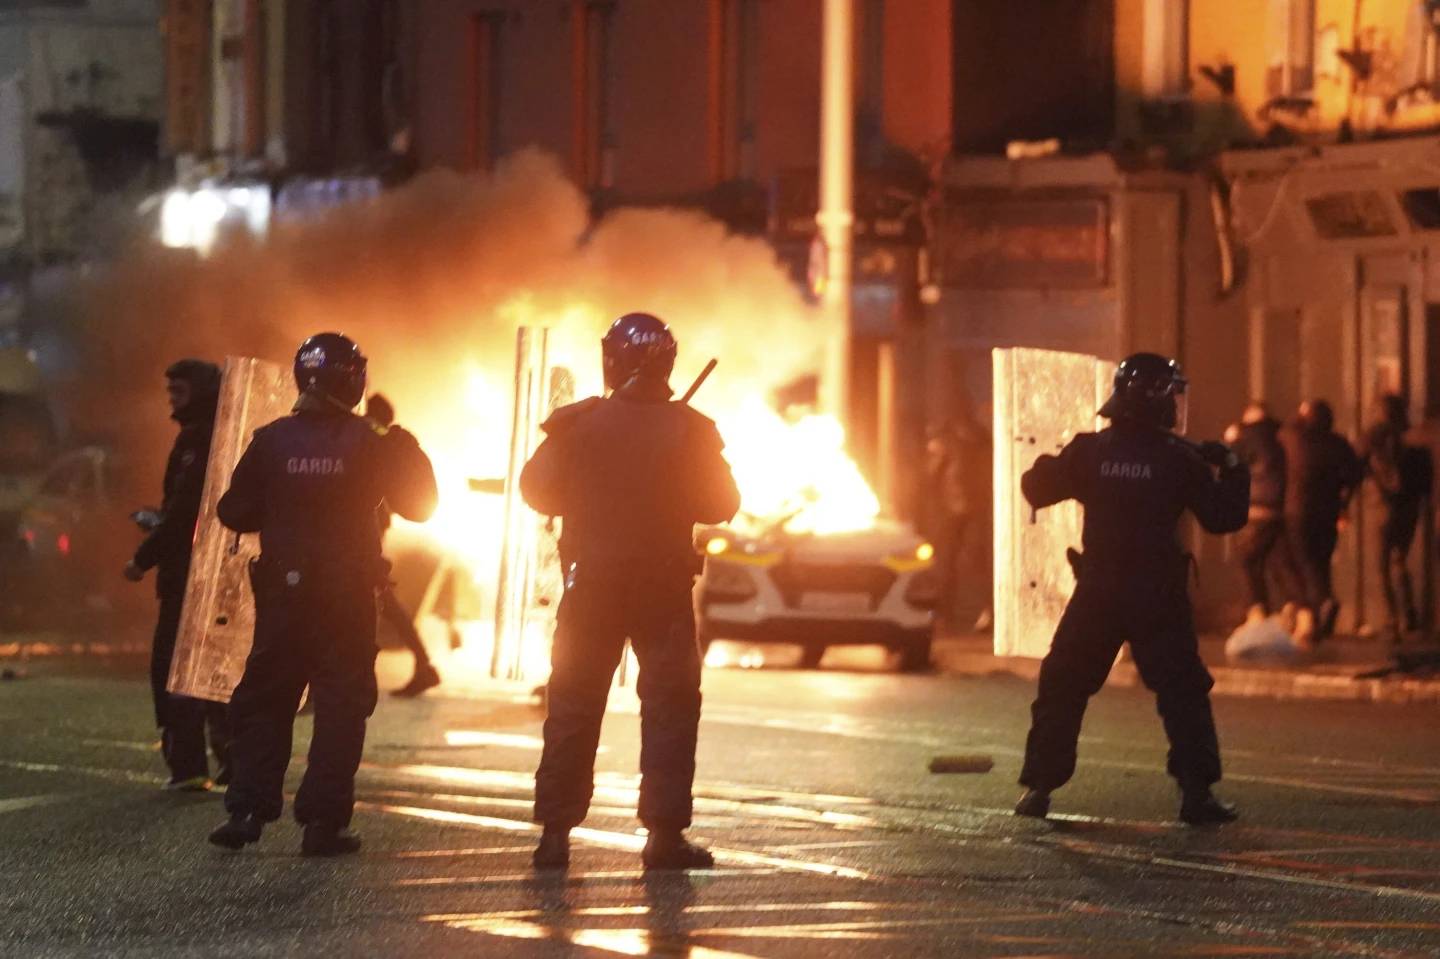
{"x":1322,"y":474}
{"x":1264,"y":550}
{"x":1403,"y":475}
{"x":380,"y":411}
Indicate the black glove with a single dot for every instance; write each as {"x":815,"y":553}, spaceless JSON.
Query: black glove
{"x":1218,"y":454}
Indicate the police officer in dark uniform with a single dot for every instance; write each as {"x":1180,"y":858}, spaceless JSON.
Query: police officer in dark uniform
{"x":310,"y":484}
{"x":193,"y":388}
{"x":629,"y":475}
{"x":1134,"y":479}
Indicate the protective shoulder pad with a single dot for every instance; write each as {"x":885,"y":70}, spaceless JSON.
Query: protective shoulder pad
{"x":567,"y":416}
{"x":696,"y":418}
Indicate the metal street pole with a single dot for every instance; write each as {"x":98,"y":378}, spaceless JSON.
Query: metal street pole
{"x":836,"y":217}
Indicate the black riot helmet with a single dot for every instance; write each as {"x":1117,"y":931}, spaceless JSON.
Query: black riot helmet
{"x":638,"y":346}
{"x":1149,"y":389}
{"x":331,"y":365}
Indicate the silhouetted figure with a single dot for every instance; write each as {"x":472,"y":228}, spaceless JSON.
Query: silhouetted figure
{"x":1135,"y":479}
{"x":378,"y":410}
{"x":957,"y":502}
{"x":1322,"y":474}
{"x":1264,"y":549}
{"x":1403,"y":474}
{"x":193,"y":389}
{"x":309,"y":484}
{"x":629,"y":475}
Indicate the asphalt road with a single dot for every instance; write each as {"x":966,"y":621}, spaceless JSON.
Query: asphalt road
{"x":832,"y":837}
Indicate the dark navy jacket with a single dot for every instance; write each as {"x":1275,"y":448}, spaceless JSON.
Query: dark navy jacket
{"x":169,"y":544}
{"x":1135,"y":483}
{"x":1259,"y":446}
{"x":310,"y":484}
{"x":630,"y":477}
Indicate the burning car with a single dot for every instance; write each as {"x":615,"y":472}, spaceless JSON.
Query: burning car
{"x":868,"y":586}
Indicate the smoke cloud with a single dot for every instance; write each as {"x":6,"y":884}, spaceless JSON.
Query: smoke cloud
{"x":432,"y":280}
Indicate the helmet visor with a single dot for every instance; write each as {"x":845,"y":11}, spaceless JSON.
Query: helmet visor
{"x":1182,"y":412}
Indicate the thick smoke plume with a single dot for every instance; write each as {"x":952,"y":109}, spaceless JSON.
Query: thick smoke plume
{"x":432,"y":280}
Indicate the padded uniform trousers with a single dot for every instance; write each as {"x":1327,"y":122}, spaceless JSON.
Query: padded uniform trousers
{"x":320,"y":634}
{"x":593,"y":622}
{"x":1160,"y":630}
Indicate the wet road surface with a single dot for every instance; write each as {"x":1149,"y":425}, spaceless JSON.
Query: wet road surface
{"x":830,"y":835}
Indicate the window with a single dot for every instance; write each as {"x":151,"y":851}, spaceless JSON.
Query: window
{"x":327,"y":103}
{"x":1422,"y":207}
{"x":1166,"y":49}
{"x":1290,"y":37}
{"x":734,"y":59}
{"x":1350,"y":215}
{"x":594,"y":134}
{"x":483,"y":91}
{"x":1428,"y":30}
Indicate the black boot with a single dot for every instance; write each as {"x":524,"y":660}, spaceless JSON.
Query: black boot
{"x":1035,"y":804}
{"x":553,"y":851}
{"x":237,"y":832}
{"x":425,"y":678}
{"x":325,"y":840}
{"x":669,"y":849}
{"x":1199,"y":807}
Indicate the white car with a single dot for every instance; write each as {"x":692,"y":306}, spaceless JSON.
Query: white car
{"x":873,"y":587}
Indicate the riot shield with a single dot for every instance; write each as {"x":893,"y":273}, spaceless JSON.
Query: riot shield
{"x":529,"y":587}
{"x":217,"y":621}
{"x":1042,"y":399}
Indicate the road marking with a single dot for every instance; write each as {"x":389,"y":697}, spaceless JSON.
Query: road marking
{"x":615,"y":840}
{"x":708,"y":798}
{"x":1341,"y":924}
{"x":120,"y":774}
{"x":624,"y":942}
{"x":28,"y":802}
{"x":756,"y":907}
{"x":1133,"y":855}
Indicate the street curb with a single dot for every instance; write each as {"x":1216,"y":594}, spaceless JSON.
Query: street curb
{"x":1230,"y":681}
{"x":50,"y":649}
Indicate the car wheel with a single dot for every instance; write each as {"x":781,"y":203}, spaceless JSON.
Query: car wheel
{"x":915,"y":654}
{"x":810,"y":656}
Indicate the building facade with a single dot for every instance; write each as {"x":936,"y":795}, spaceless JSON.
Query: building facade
{"x":80,"y":106}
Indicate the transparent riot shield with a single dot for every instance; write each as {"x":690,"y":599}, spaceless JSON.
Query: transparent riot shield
{"x":1042,"y":399}
{"x":218,"y":619}
{"x":529,"y":587}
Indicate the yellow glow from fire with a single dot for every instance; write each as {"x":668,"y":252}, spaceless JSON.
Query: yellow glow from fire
{"x":797,"y":469}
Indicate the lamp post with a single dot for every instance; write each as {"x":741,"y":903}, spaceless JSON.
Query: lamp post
{"x":836,"y":217}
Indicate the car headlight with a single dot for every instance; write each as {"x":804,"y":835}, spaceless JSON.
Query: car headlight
{"x":727,"y":583}
{"x":910,"y":561}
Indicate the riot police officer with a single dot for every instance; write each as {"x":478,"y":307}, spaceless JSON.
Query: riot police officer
{"x":310,"y":484}
{"x":193,"y":389}
{"x":1134,"y":479}
{"x":629,"y":475}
